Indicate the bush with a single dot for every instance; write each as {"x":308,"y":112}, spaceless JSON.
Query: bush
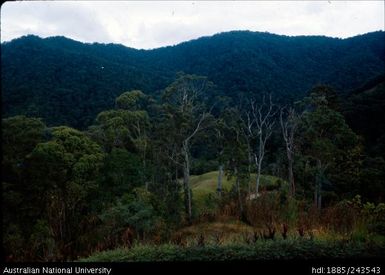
{"x":342,"y":217}
{"x":264,"y":210}
{"x":260,"y":250}
{"x":375,"y":217}
{"x":13,"y":243}
{"x":137,"y":210}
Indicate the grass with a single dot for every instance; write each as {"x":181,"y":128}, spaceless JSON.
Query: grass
{"x":228,"y":239}
{"x":233,"y":231}
{"x":206,"y":184}
{"x":261,"y":250}
{"x":208,"y":181}
{"x":230,"y":230}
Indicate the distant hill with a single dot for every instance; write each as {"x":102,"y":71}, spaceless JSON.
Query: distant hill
{"x":364,"y":110}
{"x":68,"y":82}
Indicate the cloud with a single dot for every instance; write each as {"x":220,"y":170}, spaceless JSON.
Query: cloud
{"x":51,"y":18}
{"x":146,"y":24}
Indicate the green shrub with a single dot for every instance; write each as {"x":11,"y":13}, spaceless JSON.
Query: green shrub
{"x":342,"y":217}
{"x":260,"y":250}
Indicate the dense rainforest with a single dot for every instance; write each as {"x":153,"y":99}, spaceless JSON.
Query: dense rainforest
{"x":69,"y":82}
{"x":243,"y":145}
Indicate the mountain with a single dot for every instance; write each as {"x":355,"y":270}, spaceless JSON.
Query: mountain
{"x":68,"y":82}
{"x":364,"y":110}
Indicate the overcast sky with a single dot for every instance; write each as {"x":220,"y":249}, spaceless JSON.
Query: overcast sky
{"x":147,"y":24}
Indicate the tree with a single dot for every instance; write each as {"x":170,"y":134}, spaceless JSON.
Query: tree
{"x":20,"y":135}
{"x":235,"y":152}
{"x":186,"y":111}
{"x":137,"y":209}
{"x":332,"y":147}
{"x":260,"y":123}
{"x":167,"y":166}
{"x":126,"y":127}
{"x":220,"y":139}
{"x":63,"y":173}
{"x":121,"y":173}
{"x":289,"y":126}
{"x":134,"y":100}
{"x":326,"y":95}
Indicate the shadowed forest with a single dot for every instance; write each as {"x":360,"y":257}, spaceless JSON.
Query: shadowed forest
{"x":239,"y":146}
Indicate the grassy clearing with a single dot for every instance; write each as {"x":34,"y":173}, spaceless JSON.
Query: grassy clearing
{"x":206,"y":184}
{"x":208,"y":181}
{"x":261,"y":250}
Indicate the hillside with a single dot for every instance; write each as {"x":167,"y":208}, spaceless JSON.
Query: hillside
{"x":205,"y":185}
{"x":365,"y":112}
{"x":144,"y":174}
{"x":68,"y":82}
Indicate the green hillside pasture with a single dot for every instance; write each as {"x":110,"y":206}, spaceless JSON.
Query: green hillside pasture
{"x":205,"y":186}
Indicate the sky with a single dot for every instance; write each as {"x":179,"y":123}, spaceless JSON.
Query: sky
{"x":153,"y":24}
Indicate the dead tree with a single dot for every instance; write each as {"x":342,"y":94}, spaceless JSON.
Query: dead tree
{"x":261,"y":127}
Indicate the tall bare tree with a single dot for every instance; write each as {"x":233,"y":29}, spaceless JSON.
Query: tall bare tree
{"x":260,"y":126}
{"x":186,"y":145}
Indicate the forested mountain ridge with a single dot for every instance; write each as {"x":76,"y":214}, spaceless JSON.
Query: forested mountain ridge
{"x":364,"y":110}
{"x":68,"y":82}
{"x":205,"y":159}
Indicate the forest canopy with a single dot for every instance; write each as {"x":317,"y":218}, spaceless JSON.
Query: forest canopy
{"x":231,"y":144}
{"x":71,"y":82}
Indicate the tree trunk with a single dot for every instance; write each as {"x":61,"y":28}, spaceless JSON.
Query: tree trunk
{"x":291,"y":175}
{"x":176,"y":178}
{"x":237,"y":182}
{"x":319,"y":200}
{"x":186,"y":181}
{"x":220,"y":175}
{"x":317,"y":197}
{"x":144,"y":174}
{"x":258,"y":180}
{"x":249,"y":165}
{"x":258,"y":163}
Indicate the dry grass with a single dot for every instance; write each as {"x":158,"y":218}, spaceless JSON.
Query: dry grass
{"x":228,"y":231}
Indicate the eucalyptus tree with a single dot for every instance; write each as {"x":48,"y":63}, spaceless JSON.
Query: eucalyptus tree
{"x":63,"y":172}
{"x":186,"y":110}
{"x":235,"y":152}
{"x":289,"y":121}
{"x":21,"y":207}
{"x":332,"y":147}
{"x":126,"y":127}
{"x":221,"y":141}
{"x":259,"y":123}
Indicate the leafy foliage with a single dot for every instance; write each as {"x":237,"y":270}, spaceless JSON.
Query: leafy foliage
{"x":70,"y":82}
{"x":269,"y":250}
{"x":68,"y":193}
{"x":137,"y":209}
